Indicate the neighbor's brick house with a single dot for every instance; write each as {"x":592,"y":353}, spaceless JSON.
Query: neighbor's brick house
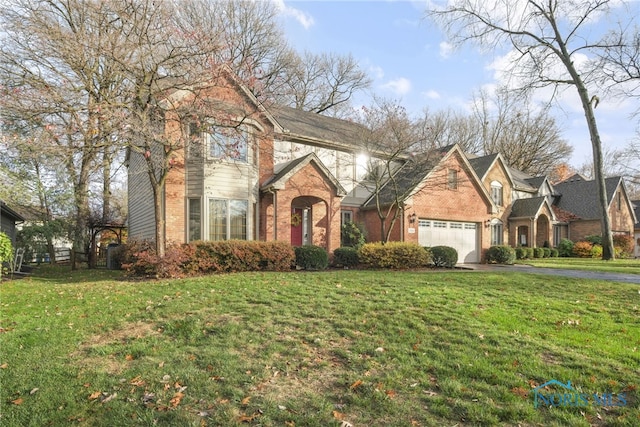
{"x":297,"y":176}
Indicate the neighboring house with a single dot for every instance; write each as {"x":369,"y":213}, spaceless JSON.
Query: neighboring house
{"x":8,"y":220}
{"x":298,"y":176}
{"x":579,"y":212}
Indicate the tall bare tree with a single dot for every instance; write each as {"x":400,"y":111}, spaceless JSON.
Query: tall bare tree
{"x":399,"y":156}
{"x":57,"y":84}
{"x":526,"y":136}
{"x":322,"y":83}
{"x":549,"y":38}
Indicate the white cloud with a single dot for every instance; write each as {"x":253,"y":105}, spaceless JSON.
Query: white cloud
{"x":303,"y":18}
{"x":376,"y":71}
{"x":431,"y":94}
{"x":446,"y":49}
{"x":400,"y":86}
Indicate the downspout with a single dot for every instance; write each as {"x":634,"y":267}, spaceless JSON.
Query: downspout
{"x":275,"y":215}
{"x":402,"y":224}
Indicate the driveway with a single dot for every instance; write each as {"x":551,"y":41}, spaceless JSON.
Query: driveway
{"x":578,"y":274}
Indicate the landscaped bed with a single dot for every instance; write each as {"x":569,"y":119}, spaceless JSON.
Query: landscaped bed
{"x":367,"y":348}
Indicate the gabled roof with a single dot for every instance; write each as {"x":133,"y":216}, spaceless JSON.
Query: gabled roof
{"x":413,"y":174}
{"x":6,"y":211}
{"x":482,"y":164}
{"x":530,"y":207}
{"x":521,"y":181}
{"x":580,"y":197}
{"x":279,"y":179}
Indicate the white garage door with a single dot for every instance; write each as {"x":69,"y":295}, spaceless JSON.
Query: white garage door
{"x":463,"y":236}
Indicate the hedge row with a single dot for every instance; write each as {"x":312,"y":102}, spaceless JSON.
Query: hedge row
{"x":196,"y":258}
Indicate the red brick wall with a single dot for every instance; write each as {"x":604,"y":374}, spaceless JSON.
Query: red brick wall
{"x":319,"y":194}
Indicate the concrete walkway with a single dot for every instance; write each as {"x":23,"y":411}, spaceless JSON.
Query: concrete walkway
{"x":578,"y":274}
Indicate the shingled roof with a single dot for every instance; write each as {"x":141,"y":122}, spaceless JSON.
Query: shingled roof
{"x":305,"y":125}
{"x":482,"y":164}
{"x":581,"y":198}
{"x":528,"y":207}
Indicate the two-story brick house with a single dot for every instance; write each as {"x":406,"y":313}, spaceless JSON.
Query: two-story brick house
{"x":297,"y":176}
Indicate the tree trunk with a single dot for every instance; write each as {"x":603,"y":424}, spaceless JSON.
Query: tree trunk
{"x":159,"y":219}
{"x":596,"y":145}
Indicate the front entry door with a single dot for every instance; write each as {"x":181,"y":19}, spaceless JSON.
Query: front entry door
{"x":297,"y":234}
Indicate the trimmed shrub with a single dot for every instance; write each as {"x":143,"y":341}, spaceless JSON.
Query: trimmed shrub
{"x":202,"y":257}
{"x":538,"y":252}
{"x":346,"y":257}
{"x":596,"y":251}
{"x":582,"y":249}
{"x":546,"y":252}
{"x":398,"y":255}
{"x":554,"y":253}
{"x":444,"y":256}
{"x":565,"y":248}
{"x":352,"y":235}
{"x":623,"y":245}
{"x":501,"y":254}
{"x":311,"y":257}
{"x":594,"y":239}
{"x":529,"y":253}
{"x":521,"y":253}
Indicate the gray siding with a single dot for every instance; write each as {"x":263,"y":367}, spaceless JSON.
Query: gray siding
{"x":140,"y":195}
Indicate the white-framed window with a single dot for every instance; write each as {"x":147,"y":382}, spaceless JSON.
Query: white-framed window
{"x":439,"y":224}
{"x":228,"y":143}
{"x":228,"y":219}
{"x":346,"y":216}
{"x":194,"y":215}
{"x":497,"y":193}
{"x":497,"y":235}
{"x":456,"y":225}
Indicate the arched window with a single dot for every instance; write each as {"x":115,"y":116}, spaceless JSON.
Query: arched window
{"x":496,"y":192}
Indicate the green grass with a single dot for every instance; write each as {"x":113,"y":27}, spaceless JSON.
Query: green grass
{"x":627,"y":266}
{"x":313,"y":349}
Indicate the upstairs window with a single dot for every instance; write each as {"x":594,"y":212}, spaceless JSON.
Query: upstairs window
{"x":496,"y":193}
{"x":228,"y":143}
{"x":452,"y":179}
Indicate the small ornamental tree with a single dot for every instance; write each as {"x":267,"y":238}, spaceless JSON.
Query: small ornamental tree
{"x":6,"y":250}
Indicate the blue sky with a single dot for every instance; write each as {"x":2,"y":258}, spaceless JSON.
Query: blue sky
{"x":410,"y":61}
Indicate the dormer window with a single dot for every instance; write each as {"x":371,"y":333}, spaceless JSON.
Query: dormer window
{"x":497,"y":193}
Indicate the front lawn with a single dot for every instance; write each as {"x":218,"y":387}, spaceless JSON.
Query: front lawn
{"x":317,"y":349}
{"x":627,"y":266}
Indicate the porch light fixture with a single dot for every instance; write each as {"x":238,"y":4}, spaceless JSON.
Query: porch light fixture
{"x":487,"y":223}
{"x":412,"y":218}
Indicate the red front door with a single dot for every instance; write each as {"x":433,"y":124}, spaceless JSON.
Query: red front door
{"x":296,"y":226}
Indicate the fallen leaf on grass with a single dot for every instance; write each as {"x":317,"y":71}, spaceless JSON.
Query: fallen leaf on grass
{"x":18,"y":401}
{"x":137,"y":381}
{"x":4,"y":366}
{"x":108,"y":398}
{"x":245,"y":401}
{"x":176,"y":399}
{"x":129,"y":357}
{"x":520,"y":391}
{"x":34,"y":391}
{"x":390,"y":393}
{"x":94,"y":395}
{"x":356,"y":384}
{"x":244,"y":418}
{"x":338,"y":415}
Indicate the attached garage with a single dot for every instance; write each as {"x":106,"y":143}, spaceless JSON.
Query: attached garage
{"x":463,"y":236}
